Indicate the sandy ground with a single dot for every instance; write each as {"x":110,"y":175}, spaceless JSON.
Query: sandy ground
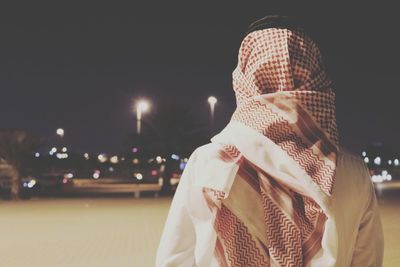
{"x":110,"y":232}
{"x":81,"y":232}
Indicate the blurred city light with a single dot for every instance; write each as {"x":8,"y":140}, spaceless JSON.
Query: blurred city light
{"x":377,"y":160}
{"x":138,"y":176}
{"x":102,"y":158}
{"x":64,"y":149}
{"x":52,"y":151}
{"x":69,"y":175}
{"x":377,"y":178}
{"x":62,"y":155}
{"x":389,"y":162}
{"x":158,"y":159}
{"x":31,"y":183}
{"x":396,"y":162}
{"x":380,"y":178}
{"x":182,"y":165}
{"x":96,"y":174}
{"x":366,"y":160}
{"x":175,"y":157}
{"x":86,"y":155}
{"x":162,"y":168}
{"x":60,"y":132}
{"x":135,"y":161}
{"x":114,"y":159}
{"x":37,"y":154}
{"x":364,"y":153}
{"x":135,"y":149}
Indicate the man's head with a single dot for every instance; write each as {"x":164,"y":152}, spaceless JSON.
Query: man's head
{"x":277,"y":55}
{"x":280,"y":79}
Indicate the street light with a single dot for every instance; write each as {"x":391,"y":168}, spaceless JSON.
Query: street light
{"x":60,"y":132}
{"x":142,"y":106}
{"x":212,"y":100}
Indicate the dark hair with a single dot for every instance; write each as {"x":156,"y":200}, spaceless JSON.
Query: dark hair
{"x":275,"y":21}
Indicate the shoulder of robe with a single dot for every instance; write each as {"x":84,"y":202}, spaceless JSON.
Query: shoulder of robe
{"x":354,"y":171}
{"x":202,"y":154}
{"x":206,"y":152}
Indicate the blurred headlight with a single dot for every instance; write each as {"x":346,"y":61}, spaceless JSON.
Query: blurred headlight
{"x":380,"y":178}
{"x":138,"y":175}
{"x":31,"y":183}
{"x":68,"y":175}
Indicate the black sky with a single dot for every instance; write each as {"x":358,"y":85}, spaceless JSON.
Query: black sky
{"x":81,"y":67}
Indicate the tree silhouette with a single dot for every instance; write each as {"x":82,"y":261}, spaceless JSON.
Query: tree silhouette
{"x":170,"y":128}
{"x":15,"y":147}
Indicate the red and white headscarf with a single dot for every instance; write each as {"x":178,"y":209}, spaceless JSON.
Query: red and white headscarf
{"x":283,"y":94}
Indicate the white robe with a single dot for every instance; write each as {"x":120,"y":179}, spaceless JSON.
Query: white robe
{"x":352,"y":236}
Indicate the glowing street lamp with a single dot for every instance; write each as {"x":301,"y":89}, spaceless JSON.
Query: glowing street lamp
{"x":60,"y":132}
{"x":212,"y":100}
{"x":142,"y":106}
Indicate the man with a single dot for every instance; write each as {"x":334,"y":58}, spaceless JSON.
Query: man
{"x":274,"y":188}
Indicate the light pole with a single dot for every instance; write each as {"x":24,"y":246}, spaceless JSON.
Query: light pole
{"x":212,"y":100}
{"x":142,"y":106}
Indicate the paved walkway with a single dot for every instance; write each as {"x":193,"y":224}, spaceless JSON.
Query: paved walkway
{"x":109,"y":232}
{"x":81,"y":232}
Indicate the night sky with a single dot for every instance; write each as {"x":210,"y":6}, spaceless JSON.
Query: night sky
{"x":81,"y":67}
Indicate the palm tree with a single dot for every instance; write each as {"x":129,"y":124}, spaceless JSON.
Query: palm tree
{"x":15,"y":147}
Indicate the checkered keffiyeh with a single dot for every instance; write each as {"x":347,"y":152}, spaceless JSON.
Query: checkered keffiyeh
{"x":283,"y":92}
